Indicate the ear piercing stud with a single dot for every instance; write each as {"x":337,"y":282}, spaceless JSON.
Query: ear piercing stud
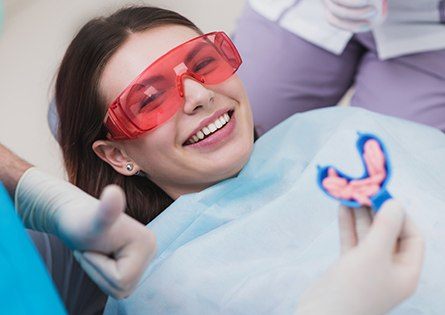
{"x":129,"y":167}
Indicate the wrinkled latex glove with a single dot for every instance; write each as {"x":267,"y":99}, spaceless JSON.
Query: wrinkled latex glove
{"x":379,"y":266}
{"x":111,"y":247}
{"x":355,"y":15}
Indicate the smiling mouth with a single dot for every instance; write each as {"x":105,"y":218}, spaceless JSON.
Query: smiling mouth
{"x":210,"y":129}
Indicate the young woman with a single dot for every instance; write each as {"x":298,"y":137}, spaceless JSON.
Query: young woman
{"x":179,"y":127}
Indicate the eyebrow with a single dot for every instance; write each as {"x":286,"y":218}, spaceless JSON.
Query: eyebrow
{"x":194,"y":51}
{"x":187,"y":59}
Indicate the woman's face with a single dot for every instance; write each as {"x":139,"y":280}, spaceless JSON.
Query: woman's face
{"x":166,"y":153}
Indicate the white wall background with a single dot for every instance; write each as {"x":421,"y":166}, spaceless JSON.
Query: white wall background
{"x":34,"y":38}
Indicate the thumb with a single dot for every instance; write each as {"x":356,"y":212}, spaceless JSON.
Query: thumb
{"x":387,"y":226}
{"x":111,"y":205}
{"x":411,"y":246}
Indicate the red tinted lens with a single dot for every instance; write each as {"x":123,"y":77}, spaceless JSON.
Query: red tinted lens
{"x":226,"y":64}
{"x":154,"y":96}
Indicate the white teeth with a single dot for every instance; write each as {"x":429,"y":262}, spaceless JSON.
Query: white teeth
{"x":210,"y":128}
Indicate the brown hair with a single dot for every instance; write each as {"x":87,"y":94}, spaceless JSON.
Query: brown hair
{"x":81,"y":108}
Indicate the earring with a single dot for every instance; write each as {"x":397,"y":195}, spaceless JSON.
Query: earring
{"x":129,"y":167}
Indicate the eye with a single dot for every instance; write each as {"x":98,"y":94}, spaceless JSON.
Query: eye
{"x":204,"y":64}
{"x":152,"y":101}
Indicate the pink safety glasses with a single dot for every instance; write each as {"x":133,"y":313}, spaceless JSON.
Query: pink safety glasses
{"x":157,"y":93}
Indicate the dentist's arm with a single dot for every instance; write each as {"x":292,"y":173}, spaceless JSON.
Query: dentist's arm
{"x":111,"y":247}
{"x":379,"y":266}
{"x":11,"y":169}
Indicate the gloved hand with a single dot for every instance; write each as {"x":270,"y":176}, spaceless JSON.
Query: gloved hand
{"x":355,"y":15}
{"x":111,"y":247}
{"x":379,"y":266}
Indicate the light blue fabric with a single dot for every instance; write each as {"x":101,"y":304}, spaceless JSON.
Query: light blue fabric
{"x":25,"y":286}
{"x":252,"y":244}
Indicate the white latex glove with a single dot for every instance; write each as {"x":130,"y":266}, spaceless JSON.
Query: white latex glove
{"x":111,"y":247}
{"x":379,"y":266}
{"x":355,"y":15}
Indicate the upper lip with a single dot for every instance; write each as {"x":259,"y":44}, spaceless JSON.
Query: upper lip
{"x":207,"y":121}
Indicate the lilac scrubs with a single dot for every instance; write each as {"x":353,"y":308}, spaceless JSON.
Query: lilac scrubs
{"x":285,"y":74}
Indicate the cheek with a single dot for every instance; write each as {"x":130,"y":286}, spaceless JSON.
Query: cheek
{"x":233,"y":88}
{"x":152,"y":148}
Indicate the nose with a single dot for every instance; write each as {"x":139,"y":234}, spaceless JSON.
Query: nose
{"x":196,"y":95}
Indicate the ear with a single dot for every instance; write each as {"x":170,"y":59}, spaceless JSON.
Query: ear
{"x":115,"y":156}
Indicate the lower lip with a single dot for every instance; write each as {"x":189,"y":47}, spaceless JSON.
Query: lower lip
{"x":218,"y":137}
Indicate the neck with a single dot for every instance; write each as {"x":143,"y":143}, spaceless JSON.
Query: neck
{"x":175,"y":192}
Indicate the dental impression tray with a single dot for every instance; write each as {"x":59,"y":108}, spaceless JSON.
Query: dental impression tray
{"x":367,"y":190}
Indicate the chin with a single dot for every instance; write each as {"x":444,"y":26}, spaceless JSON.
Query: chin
{"x":231,"y":167}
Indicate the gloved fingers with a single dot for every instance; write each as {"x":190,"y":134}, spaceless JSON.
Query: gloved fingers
{"x":348,"y":25}
{"x":99,"y":275}
{"x":111,"y":206}
{"x":387,"y":226}
{"x":354,"y":13}
{"x":348,"y":236}
{"x":363,"y":222}
{"x":411,"y":246}
{"x":409,"y":257}
{"x":133,"y":259}
{"x":352,"y":3}
{"x":119,"y":274}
